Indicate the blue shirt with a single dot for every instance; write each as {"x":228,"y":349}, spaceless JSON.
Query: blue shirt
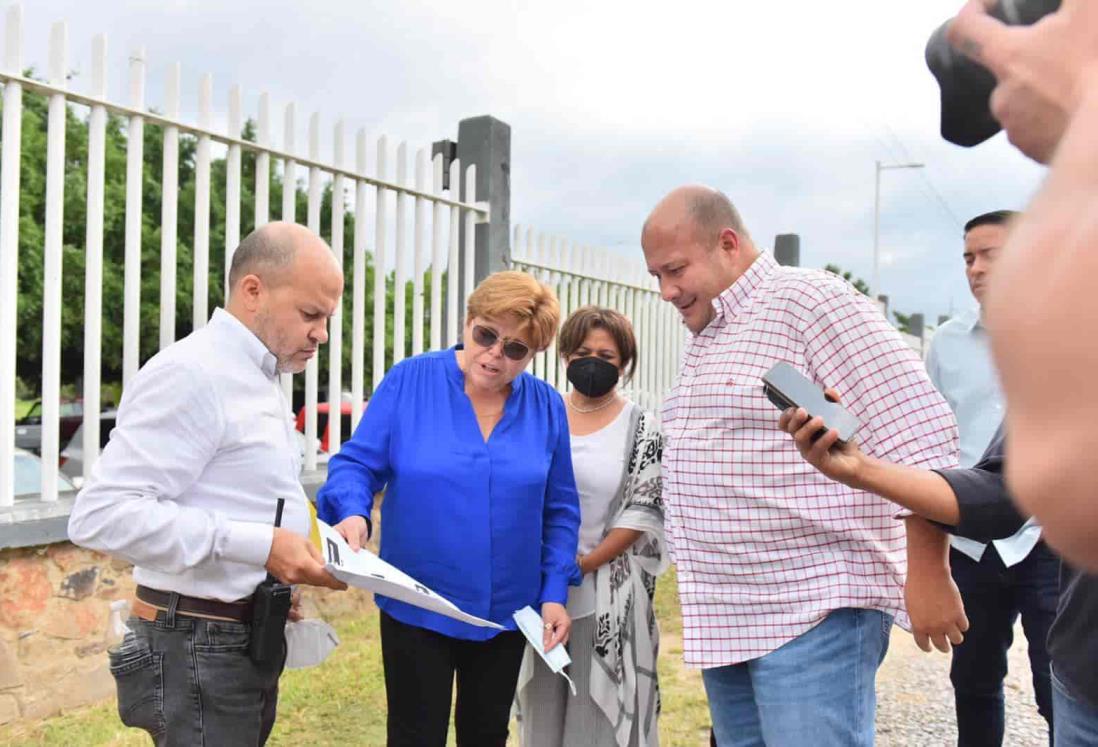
{"x":960,"y":366}
{"x":492,"y":526}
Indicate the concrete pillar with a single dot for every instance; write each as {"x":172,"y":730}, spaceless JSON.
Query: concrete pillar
{"x":448,"y":149}
{"x":486,"y":142}
{"x":787,"y":249}
{"x":916,"y":325}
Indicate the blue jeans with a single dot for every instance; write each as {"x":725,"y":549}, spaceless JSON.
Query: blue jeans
{"x":1076,"y":722}
{"x":817,"y":689}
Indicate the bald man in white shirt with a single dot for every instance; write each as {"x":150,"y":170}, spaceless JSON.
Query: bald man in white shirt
{"x":187,"y":490}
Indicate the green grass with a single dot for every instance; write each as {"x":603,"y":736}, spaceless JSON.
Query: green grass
{"x":343,"y":701}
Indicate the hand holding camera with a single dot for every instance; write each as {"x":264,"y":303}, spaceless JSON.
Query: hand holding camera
{"x":1023,"y":65}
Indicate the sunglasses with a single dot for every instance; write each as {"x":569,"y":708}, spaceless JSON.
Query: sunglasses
{"x":486,"y":338}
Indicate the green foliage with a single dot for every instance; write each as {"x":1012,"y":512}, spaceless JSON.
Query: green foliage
{"x":903,"y":321}
{"x":859,"y":284}
{"x":32,"y":209}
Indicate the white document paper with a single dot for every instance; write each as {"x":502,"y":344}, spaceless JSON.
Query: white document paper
{"x":531,"y":625}
{"x":365,"y":570}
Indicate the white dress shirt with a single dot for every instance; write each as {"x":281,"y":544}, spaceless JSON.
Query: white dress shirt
{"x":960,"y":365}
{"x":203,"y":448}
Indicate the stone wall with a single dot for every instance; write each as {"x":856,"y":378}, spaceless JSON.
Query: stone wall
{"x":54,"y":606}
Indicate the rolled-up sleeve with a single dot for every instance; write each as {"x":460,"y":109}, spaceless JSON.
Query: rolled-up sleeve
{"x":561,"y":518}
{"x":987,"y":511}
{"x":363,"y":466}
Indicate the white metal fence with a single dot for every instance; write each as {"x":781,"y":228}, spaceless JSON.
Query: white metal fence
{"x":436,"y":213}
{"x":582,"y":275}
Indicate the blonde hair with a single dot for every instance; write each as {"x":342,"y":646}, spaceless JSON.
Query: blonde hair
{"x":520,"y":296}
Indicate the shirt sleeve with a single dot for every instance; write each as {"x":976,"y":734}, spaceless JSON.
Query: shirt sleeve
{"x":852,"y":347}
{"x":169,"y":428}
{"x":363,"y":466}
{"x":561,"y":517}
{"x":987,"y":511}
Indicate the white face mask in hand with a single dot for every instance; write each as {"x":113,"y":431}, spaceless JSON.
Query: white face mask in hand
{"x":557,"y":658}
{"x":309,"y":642}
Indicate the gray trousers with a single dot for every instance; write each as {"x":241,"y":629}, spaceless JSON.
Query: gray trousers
{"x":188,"y":681}
{"x":553,"y":716}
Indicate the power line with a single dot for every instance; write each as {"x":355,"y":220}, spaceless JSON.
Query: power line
{"x":935,"y":195}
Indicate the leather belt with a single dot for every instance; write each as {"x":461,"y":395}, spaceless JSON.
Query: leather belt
{"x":208,"y":609}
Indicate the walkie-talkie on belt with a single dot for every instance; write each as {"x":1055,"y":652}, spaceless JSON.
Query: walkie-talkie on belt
{"x":270,"y":609}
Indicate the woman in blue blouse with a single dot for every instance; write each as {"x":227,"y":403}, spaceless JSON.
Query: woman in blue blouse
{"x":480,"y":505}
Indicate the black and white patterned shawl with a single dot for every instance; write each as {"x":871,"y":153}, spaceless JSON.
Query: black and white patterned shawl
{"x":623,"y":676}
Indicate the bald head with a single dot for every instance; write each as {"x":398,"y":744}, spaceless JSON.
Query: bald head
{"x":284,"y":284}
{"x":696,"y":246}
{"x":271,"y":253}
{"x":703,"y":210}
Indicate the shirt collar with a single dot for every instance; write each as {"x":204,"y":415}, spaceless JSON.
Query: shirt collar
{"x":453,"y":370}
{"x":971,"y":319}
{"x":737,"y":296}
{"x":225,"y":323}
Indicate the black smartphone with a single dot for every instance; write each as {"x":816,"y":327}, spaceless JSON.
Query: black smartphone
{"x":787,"y":387}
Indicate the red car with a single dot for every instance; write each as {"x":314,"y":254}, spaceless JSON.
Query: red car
{"x":28,"y":429}
{"x":346,"y":409}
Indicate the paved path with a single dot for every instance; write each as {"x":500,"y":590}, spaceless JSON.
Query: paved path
{"x":915,"y":699}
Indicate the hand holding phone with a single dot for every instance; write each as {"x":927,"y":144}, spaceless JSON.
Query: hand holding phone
{"x":787,"y":387}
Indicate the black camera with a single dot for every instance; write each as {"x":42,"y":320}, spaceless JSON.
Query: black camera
{"x":966,"y":85}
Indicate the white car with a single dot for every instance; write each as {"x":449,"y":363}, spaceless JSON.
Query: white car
{"x":28,"y":475}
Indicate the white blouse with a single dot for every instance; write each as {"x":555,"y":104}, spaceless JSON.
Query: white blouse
{"x":598,"y":461}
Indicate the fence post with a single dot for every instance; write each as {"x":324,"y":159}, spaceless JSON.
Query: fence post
{"x":916,"y":324}
{"x":787,"y":249}
{"x":485,"y":142}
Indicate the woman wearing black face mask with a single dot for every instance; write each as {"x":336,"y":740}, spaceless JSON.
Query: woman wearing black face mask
{"x":616,"y":452}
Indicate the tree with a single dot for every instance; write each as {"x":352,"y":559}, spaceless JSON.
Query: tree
{"x":32,"y":207}
{"x":903,"y":321}
{"x":859,"y":285}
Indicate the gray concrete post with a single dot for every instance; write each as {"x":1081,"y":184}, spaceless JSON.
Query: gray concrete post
{"x":916,"y":325}
{"x":448,"y":149}
{"x":486,"y":142}
{"x":787,"y":249}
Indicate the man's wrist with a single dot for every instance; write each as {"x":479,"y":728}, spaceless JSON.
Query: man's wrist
{"x":863,"y":474}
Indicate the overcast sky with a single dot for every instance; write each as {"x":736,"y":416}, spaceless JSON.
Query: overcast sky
{"x":783,"y":105}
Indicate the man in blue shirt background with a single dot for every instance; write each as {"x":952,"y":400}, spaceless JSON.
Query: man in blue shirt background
{"x":1008,"y":577}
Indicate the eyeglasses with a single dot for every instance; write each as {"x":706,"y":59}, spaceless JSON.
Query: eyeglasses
{"x":486,"y":338}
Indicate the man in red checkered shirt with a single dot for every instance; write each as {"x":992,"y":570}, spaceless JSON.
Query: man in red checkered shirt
{"x":789,"y":582}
